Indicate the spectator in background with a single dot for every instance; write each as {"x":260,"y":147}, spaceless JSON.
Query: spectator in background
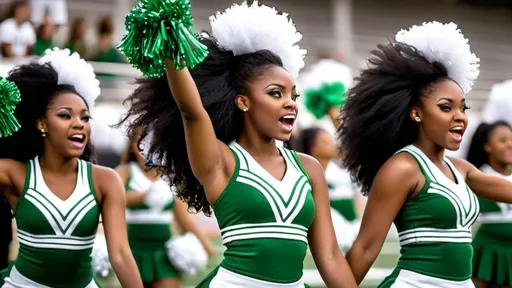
{"x":106,"y":52}
{"x":17,"y":35}
{"x":76,"y":40}
{"x":57,"y":10}
{"x":44,"y":37}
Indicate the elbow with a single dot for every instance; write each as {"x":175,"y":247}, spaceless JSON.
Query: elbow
{"x":120,"y":256}
{"x":366,"y":252}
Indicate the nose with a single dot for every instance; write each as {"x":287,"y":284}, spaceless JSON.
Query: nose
{"x":289,"y":104}
{"x":459,"y":116}
{"x":78,"y":123}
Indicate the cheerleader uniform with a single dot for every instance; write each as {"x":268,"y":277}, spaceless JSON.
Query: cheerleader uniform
{"x":341,"y":191}
{"x":434,"y":229}
{"x":149,"y":226}
{"x":264,"y":224}
{"x":56,"y":236}
{"x":492,"y":243}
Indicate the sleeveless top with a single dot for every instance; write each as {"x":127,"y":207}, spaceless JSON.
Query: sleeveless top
{"x":148,"y":225}
{"x":434,"y":227}
{"x":496,"y":217}
{"x":264,"y":222}
{"x":342,"y":190}
{"x":56,"y":236}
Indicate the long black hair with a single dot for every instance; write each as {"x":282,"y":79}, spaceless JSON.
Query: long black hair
{"x":476,"y":153}
{"x":375,"y":120}
{"x":38,"y":85}
{"x":219,"y":79}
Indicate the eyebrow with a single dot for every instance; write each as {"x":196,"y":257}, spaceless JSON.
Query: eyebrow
{"x":69,"y":109}
{"x":451,"y":100}
{"x":280,"y":86}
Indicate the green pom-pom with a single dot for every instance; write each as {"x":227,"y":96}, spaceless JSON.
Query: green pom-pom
{"x":161,"y":28}
{"x":9,"y":98}
{"x":319,"y":101}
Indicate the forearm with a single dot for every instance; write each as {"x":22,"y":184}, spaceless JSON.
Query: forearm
{"x":134,"y":198}
{"x":126,"y":270}
{"x":336,"y":272}
{"x":360,"y":260}
{"x":184,"y":91}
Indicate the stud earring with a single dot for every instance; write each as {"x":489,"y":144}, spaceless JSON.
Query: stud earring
{"x":43,"y":132}
{"x":417,"y":119}
{"x":245,"y":109}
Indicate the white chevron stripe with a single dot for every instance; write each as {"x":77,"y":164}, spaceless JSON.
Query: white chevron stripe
{"x":59,"y":224}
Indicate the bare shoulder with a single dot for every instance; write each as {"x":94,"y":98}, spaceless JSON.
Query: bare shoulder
{"x":310,"y":164}
{"x":12,"y":173}
{"x":102,"y":174}
{"x":400,"y":168}
{"x":463,"y":166}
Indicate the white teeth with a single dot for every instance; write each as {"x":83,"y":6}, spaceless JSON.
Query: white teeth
{"x":457,"y":129}
{"x":289,"y":117}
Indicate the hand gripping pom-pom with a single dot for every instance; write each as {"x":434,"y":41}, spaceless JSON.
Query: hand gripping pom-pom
{"x":9,"y":98}
{"x":157,"y":29}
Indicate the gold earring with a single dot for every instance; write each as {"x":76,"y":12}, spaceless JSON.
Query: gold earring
{"x":43,"y":132}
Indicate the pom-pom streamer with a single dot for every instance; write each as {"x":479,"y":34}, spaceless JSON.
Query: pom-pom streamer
{"x":157,"y":29}
{"x":9,"y":98}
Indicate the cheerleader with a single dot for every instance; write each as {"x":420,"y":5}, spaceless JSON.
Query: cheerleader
{"x":404,"y":111}
{"x":56,"y":193}
{"x":491,"y":151}
{"x":214,"y":134}
{"x":319,"y":143}
{"x":150,"y":209}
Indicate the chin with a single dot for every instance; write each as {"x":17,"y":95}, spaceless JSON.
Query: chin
{"x":452,"y":147}
{"x":283,"y":138}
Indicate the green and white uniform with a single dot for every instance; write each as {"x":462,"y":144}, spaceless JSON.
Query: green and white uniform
{"x":264,"y":224}
{"x":149,"y":226}
{"x":342,"y":191}
{"x":493,"y":241}
{"x":56,"y":236}
{"x":434,"y":229}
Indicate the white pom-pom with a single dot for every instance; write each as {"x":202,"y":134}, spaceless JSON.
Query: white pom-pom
{"x":104,"y":137}
{"x":73,"y":70}
{"x":445,"y":44}
{"x":247,"y":28}
{"x":326,"y":71}
{"x":186,"y":253}
{"x":499,"y":105}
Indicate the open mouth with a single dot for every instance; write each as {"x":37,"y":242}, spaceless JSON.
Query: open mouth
{"x":457,"y":133}
{"x":287,"y":122}
{"x":77,"y":139}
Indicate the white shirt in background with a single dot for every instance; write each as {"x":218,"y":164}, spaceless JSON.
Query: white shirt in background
{"x":19,"y":36}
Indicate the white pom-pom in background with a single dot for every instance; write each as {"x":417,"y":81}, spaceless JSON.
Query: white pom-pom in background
{"x":73,"y":70}
{"x":104,"y":137}
{"x":445,"y":44}
{"x":499,"y":105}
{"x":187,"y":253}
{"x":245,"y":29}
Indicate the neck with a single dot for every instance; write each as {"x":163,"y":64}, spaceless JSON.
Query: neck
{"x":18,"y":21}
{"x":56,"y":164}
{"x":258,"y":145}
{"x":434,"y":152}
{"x":502,"y":168}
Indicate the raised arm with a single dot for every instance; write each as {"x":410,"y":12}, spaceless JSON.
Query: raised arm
{"x":485,"y":185}
{"x":331,"y":263}
{"x":12,"y":176}
{"x":207,"y":155}
{"x":114,"y":225}
{"x":391,"y":187}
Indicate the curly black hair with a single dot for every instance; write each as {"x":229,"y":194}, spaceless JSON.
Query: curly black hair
{"x":38,"y":85}
{"x":476,"y":153}
{"x":219,"y":79}
{"x":375,"y":121}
